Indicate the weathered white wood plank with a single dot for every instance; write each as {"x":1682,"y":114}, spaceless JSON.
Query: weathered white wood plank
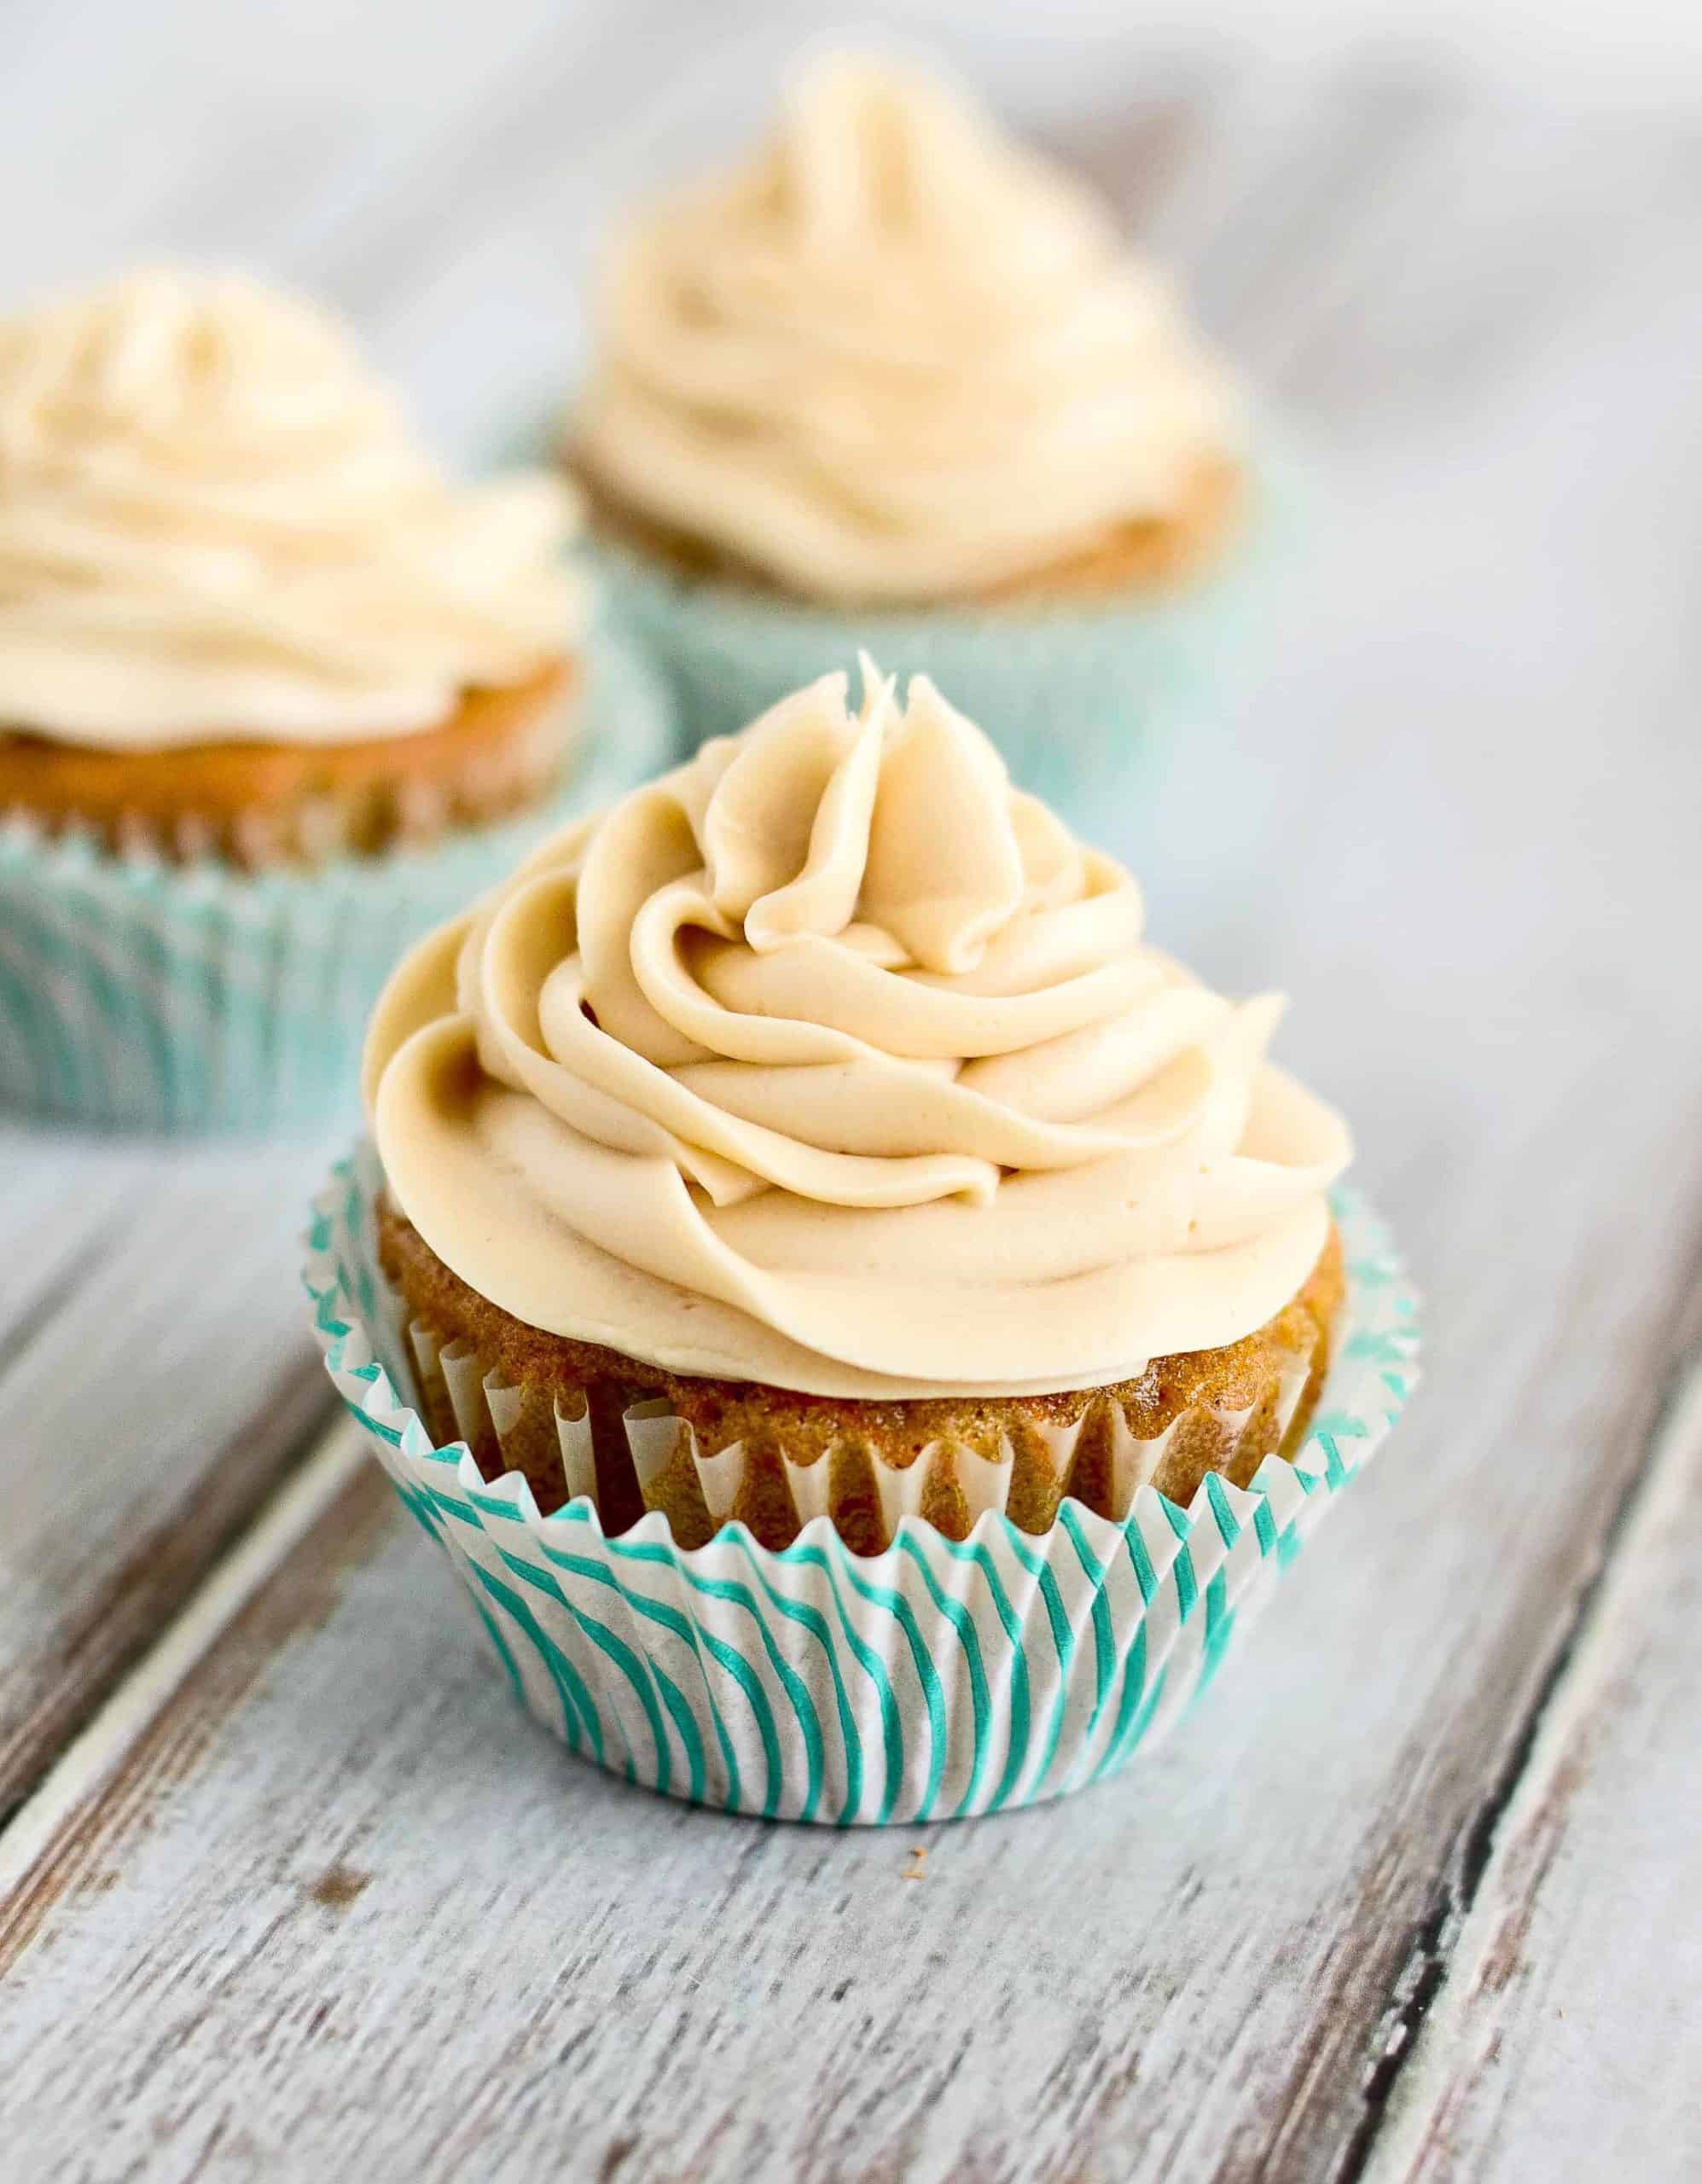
{"x":156,"y":1382}
{"x":1562,"y":2043}
{"x":82,"y":1772}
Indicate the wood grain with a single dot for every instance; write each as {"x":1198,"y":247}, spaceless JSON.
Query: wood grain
{"x":1558,"y":2044}
{"x":40,"y":1837}
{"x":337,"y":1907}
{"x":152,"y":1408}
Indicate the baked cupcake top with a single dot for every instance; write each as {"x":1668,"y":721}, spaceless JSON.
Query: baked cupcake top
{"x":216,"y":525}
{"x":830,"y":1060}
{"x":894,"y":358}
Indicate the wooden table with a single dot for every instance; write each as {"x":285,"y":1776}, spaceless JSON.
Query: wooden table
{"x":288,"y":1888}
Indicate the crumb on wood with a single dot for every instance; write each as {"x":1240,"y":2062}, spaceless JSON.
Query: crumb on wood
{"x":338,"y":1886}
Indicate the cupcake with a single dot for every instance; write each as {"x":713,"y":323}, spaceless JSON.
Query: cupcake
{"x":241,"y":613}
{"x":251,"y":641}
{"x":899,"y":381}
{"x":804,"y":1178}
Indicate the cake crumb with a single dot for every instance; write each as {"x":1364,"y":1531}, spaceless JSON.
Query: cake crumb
{"x":337,"y":1887}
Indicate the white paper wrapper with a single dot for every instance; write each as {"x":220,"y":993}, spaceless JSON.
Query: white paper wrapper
{"x":152,"y":996}
{"x":938,"y":1679}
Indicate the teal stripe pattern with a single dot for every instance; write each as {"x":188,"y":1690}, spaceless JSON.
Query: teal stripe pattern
{"x":142,"y":995}
{"x":1083,"y":701}
{"x":937,"y":1680}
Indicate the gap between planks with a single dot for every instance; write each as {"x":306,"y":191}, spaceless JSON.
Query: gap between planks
{"x":78,"y":1776}
{"x":1428,"y":2035}
{"x":1445,"y":2043}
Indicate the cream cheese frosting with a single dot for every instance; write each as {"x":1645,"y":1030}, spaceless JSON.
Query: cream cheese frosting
{"x":832,"y":1061}
{"x":215,"y":525}
{"x":894,"y":358}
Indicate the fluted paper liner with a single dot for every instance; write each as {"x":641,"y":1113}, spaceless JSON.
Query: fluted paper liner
{"x":158,"y":995}
{"x":937,"y":1679}
{"x":511,"y":1426}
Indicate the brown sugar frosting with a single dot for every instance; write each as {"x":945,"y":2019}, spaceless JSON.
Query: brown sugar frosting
{"x":216,"y":528}
{"x":830,"y":1061}
{"x":895,"y":358}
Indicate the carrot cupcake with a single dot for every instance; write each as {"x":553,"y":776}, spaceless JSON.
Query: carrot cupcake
{"x":899,"y":381}
{"x":248,"y":634}
{"x":861,"y":1318}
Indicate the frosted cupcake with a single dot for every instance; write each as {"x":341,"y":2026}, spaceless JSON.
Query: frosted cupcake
{"x":860,"y":1321}
{"x":241,"y":612}
{"x":247,"y":627}
{"x":826,"y":1094}
{"x":898,"y":381}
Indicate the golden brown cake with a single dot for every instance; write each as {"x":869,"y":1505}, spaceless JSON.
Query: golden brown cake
{"x":814,"y":1134}
{"x":262,"y":804}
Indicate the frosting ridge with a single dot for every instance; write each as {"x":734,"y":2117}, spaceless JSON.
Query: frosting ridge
{"x":215,"y":525}
{"x":895,"y":357}
{"x":832,"y":1060}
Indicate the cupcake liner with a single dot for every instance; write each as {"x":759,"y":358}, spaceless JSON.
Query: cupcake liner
{"x":1081,"y":700}
{"x":937,"y":1679}
{"x":154,"y":995}
{"x":546,"y":1433}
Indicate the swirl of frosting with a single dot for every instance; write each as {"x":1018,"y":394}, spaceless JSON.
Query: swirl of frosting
{"x":216,"y":525}
{"x":897,"y":358}
{"x":831,"y":1060}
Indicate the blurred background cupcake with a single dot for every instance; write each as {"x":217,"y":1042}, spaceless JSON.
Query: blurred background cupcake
{"x":899,"y":381}
{"x":273,"y":693}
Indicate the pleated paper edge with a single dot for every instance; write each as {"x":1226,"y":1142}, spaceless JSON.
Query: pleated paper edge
{"x":1219,"y":1557}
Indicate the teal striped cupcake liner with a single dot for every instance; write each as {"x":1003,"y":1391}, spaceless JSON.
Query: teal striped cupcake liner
{"x":1082,"y":701}
{"x":144,"y":996}
{"x":939,"y":1679}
